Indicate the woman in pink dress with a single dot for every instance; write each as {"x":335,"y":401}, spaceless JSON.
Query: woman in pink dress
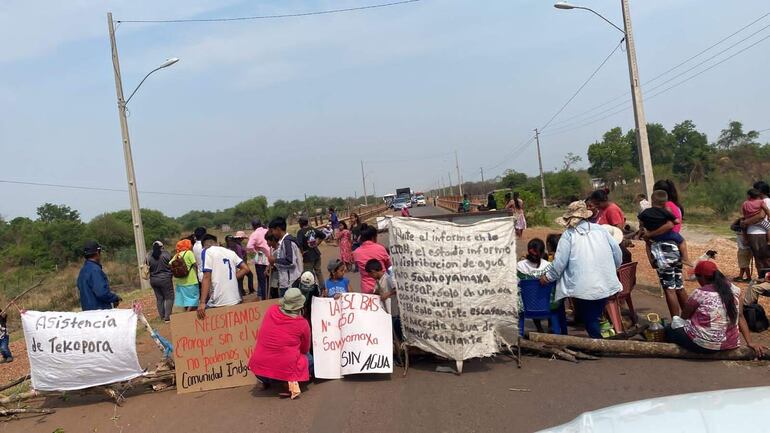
{"x":346,"y":244}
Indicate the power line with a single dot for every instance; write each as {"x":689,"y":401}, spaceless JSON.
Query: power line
{"x":96,"y":188}
{"x":603,"y":104}
{"x":514,"y":153}
{"x":647,"y":98}
{"x":269,"y":17}
{"x":590,"y":77}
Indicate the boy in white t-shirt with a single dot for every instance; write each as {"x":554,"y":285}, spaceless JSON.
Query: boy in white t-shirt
{"x":221,"y":270}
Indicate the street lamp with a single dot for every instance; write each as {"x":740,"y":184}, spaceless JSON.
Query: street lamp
{"x":133,"y":193}
{"x":642,"y":142}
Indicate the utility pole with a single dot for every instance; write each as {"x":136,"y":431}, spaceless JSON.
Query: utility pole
{"x":307,"y":212}
{"x":374,"y":190}
{"x":540,"y":162}
{"x":642,"y":143}
{"x":451,"y":187}
{"x":459,"y":178}
{"x":482,"y":174}
{"x":133,"y":193}
{"x":363,"y":180}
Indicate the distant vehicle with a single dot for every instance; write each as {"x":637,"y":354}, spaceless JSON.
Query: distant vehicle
{"x":404,"y":192}
{"x":388,"y":199}
{"x":400,"y":203}
{"x":419,"y":200}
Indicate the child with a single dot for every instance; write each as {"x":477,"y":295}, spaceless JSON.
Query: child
{"x":337,"y":284}
{"x":644,"y":204}
{"x":744,"y":254}
{"x":388,"y":293}
{"x":666,"y":252}
{"x":4,"y":338}
{"x":533,"y":266}
{"x":753,"y":206}
{"x":551,"y":242}
{"x":308,"y":285}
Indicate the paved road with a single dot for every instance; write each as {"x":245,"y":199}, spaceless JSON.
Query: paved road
{"x":479,"y":400}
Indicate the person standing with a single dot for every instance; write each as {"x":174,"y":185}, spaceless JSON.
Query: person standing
{"x":161,"y":280}
{"x":309,"y":238}
{"x":756,"y":234}
{"x":221,"y":270}
{"x":585,"y":266}
{"x":187,"y":289}
{"x":258,"y":245}
{"x":197,"y":249}
{"x":346,"y":245}
{"x":609,"y":212}
{"x":516,"y":206}
{"x":288,"y":256}
{"x":5,"y":339}
{"x":369,"y":250}
{"x":93,"y":284}
{"x":334,"y":221}
{"x":234,"y":243}
{"x":491,"y":202}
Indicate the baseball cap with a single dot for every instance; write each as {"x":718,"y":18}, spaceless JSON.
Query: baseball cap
{"x":158,"y":243}
{"x":333,"y":265}
{"x":91,"y":247}
{"x":705,"y":268}
{"x":307,"y":279}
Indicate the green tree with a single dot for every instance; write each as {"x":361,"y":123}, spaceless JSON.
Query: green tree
{"x":691,"y":152}
{"x":571,"y":160}
{"x":49,"y":212}
{"x":733,"y":136}
{"x":609,"y":155}
{"x":245,"y":211}
{"x":660,"y":140}
{"x":513,"y":179}
{"x":157,"y":226}
{"x":110,"y":231}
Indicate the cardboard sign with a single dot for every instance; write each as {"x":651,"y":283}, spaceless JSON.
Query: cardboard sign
{"x":456,"y":284}
{"x":214,"y":353}
{"x":70,"y":351}
{"x":352,"y":335}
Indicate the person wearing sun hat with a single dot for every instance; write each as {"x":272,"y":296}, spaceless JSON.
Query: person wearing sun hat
{"x":282,"y":351}
{"x":711,"y":319}
{"x":309,"y":287}
{"x":585,"y":268}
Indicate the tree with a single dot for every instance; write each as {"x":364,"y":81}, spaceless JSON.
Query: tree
{"x":691,"y":152}
{"x":512,"y":179}
{"x":609,"y":155}
{"x":245,"y":211}
{"x":660,"y":141}
{"x":49,"y":213}
{"x":570,"y":160}
{"x":733,"y":136}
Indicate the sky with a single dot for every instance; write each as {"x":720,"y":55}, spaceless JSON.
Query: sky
{"x":288,"y":107}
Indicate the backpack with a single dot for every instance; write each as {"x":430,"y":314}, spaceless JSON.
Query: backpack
{"x":179,"y":268}
{"x":310,"y":239}
{"x":755,"y":317}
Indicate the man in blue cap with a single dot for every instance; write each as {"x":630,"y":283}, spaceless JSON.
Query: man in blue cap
{"x":94,"y":287}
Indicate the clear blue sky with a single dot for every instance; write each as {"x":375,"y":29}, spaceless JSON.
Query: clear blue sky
{"x":286,"y":107}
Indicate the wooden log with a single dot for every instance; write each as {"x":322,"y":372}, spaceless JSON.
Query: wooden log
{"x":14,"y":383}
{"x":542,"y":349}
{"x":11,"y":412}
{"x":630,"y":332}
{"x":640,"y":348}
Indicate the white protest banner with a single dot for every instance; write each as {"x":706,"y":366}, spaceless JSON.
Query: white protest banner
{"x":456,"y":284}
{"x":79,"y":350}
{"x":351,"y":335}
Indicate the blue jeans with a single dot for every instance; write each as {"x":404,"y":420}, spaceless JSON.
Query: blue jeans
{"x":590,"y":312}
{"x":4,"y":350}
{"x":309,"y":356}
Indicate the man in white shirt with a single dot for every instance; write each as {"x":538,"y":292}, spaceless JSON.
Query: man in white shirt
{"x":197,"y":249}
{"x":221,"y":270}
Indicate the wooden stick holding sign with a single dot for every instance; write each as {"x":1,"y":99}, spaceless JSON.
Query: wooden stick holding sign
{"x":20,"y":295}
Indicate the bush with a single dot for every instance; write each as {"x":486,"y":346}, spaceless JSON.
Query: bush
{"x":722,"y":194}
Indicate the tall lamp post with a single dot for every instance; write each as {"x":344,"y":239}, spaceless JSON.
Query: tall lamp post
{"x":642,"y":143}
{"x":133,"y":194}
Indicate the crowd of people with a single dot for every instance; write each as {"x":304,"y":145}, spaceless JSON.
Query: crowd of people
{"x":582,"y":261}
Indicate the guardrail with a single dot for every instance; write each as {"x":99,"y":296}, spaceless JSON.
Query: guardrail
{"x":453,"y":202}
{"x":364,"y":213}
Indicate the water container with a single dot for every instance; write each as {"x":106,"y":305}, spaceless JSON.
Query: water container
{"x":656,"y":332}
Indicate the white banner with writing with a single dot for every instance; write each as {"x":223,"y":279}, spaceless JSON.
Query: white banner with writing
{"x":456,"y":284}
{"x":79,"y":350}
{"x":351,"y":335}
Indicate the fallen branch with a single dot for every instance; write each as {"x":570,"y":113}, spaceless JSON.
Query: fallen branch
{"x":542,"y":349}
{"x":14,"y":383}
{"x":11,"y":412}
{"x":639,"y":348}
{"x":21,"y":294}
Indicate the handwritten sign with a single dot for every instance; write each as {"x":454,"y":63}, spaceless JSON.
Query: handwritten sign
{"x":456,"y":284}
{"x":214,"y":353}
{"x":351,"y":335}
{"x":70,"y":351}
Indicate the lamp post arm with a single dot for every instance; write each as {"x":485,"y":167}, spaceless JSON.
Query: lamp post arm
{"x":598,"y":15}
{"x":140,"y":84}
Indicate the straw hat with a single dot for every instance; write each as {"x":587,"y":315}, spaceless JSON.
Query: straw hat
{"x":576,"y":212}
{"x":615,"y":232}
{"x":292,"y":300}
{"x":240,"y":234}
